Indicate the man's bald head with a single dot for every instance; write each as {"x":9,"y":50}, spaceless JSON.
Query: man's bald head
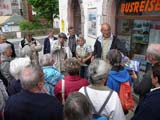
{"x":154,"y":51}
{"x":106,"y":30}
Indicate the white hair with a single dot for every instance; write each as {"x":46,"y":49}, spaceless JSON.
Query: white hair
{"x":17,"y":65}
{"x":46,"y":60}
{"x":4,"y":47}
{"x":154,"y":49}
{"x":98,"y":70}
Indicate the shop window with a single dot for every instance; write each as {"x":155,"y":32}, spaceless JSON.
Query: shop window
{"x":138,"y":23}
{"x":138,"y":34}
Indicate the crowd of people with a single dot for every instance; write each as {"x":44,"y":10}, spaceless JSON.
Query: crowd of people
{"x":71,"y":80}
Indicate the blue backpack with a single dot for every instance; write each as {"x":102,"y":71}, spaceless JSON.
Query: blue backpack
{"x":97,"y":115}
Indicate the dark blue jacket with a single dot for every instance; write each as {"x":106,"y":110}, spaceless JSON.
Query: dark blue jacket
{"x":116,"y":78}
{"x":143,"y":86}
{"x":150,"y":107}
{"x":47,"y":46}
{"x":32,"y":106}
{"x":116,"y":44}
{"x":15,"y":87}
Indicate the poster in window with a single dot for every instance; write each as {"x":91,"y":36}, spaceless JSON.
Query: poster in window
{"x":141,"y":30}
{"x":154,"y":32}
{"x":92,"y":17}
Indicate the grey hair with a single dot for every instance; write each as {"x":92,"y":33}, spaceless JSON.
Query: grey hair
{"x":98,"y":70}
{"x":4,"y":47}
{"x":154,"y":49}
{"x":17,"y":65}
{"x":77,"y":107}
{"x":46,"y":59}
{"x":81,"y":38}
{"x":30,"y":76}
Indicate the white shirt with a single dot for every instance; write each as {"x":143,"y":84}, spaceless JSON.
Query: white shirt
{"x":113,"y":108}
{"x":52,"y":41}
{"x":83,"y":51}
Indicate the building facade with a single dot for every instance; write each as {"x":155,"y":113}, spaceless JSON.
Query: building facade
{"x":10,"y":7}
{"x":18,"y":7}
{"x":136,"y":21}
{"x":86,"y":16}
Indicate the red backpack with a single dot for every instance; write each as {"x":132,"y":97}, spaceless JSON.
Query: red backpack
{"x":125,"y":95}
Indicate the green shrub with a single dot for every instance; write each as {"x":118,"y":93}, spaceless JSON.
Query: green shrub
{"x":25,"y":25}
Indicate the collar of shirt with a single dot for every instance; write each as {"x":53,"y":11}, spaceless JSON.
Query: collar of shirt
{"x":155,"y":89}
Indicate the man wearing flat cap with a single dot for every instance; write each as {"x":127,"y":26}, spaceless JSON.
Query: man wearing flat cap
{"x":61,"y":51}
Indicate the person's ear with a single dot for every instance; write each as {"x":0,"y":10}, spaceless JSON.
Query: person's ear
{"x":40,"y":85}
{"x":156,"y":79}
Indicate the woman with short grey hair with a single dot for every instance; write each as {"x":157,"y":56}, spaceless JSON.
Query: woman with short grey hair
{"x":6,"y":53}
{"x":51,"y":74}
{"x":98,"y":93}
{"x":97,"y":71}
{"x":16,"y":66}
{"x":46,"y":60}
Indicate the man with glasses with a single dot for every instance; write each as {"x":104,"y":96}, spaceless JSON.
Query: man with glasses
{"x":143,"y":86}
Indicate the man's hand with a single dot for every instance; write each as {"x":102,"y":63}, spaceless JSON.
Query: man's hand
{"x":33,"y":47}
{"x":92,"y":58}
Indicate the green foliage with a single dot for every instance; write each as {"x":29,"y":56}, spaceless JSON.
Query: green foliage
{"x":25,"y":25}
{"x":45,"y":8}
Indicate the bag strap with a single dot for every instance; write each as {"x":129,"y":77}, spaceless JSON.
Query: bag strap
{"x":104,"y":104}
{"x":63,"y":90}
{"x":106,"y":101}
{"x":49,"y":83}
{"x":85,"y":91}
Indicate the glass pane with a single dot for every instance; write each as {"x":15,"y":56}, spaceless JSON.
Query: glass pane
{"x":138,"y":34}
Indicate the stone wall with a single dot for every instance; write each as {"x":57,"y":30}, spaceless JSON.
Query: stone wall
{"x":43,"y":32}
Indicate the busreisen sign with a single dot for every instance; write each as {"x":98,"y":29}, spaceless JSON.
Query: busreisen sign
{"x":140,"y":6}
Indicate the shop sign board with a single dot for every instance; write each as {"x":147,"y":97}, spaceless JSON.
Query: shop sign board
{"x":140,"y":6}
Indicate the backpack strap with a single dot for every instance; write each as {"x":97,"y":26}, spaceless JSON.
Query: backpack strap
{"x":106,"y":101}
{"x":85,"y":91}
{"x":23,"y":43}
{"x":104,"y":104}
{"x":63,"y":91}
{"x":49,"y":83}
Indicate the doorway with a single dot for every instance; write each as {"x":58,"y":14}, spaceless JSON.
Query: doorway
{"x":74,"y":15}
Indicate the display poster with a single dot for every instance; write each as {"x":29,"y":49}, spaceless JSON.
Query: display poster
{"x":141,"y":29}
{"x":92,"y":18}
{"x":155,"y":32}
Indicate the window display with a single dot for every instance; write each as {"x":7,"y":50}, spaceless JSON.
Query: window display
{"x":139,"y":24}
{"x":139,"y":33}
{"x":154,"y":36}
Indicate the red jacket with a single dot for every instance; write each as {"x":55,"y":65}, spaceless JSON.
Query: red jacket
{"x":72,"y":83}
